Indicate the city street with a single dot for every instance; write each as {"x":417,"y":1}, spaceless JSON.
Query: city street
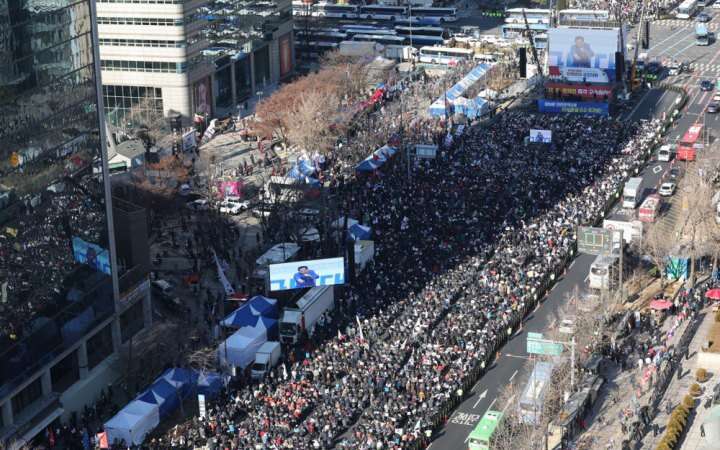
{"x":677,"y":37}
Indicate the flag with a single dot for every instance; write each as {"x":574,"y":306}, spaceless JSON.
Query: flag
{"x":102,"y":440}
{"x":221,"y":276}
{"x":362,"y":336}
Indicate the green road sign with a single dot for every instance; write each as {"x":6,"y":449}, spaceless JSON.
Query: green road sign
{"x":541,"y":347}
{"x":594,"y":241}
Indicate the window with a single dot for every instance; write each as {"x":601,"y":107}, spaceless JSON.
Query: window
{"x":143,"y":21}
{"x":65,"y":373}
{"x":99,"y":347}
{"x":143,"y":66}
{"x":146,"y":2}
{"x":27,"y":396}
{"x":120,"y":100}
{"x":132,"y":321}
{"x":142,"y":43}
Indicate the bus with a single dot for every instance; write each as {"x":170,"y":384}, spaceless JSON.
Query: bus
{"x":687,"y":9}
{"x":380,"y":39}
{"x":518,"y":30}
{"x":423,"y":36}
{"x":444,"y":55}
{"x":335,"y":11}
{"x":515,"y":15}
{"x":482,"y":436}
{"x":377,"y":31}
{"x":533,"y":397}
{"x":439,"y":15}
{"x":314,"y":49}
{"x":325,"y":36}
{"x":569,"y":16}
{"x":377,"y":12}
{"x":301,"y":9}
{"x":690,"y":143}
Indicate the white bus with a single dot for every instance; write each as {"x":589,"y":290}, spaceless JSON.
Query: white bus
{"x":380,"y":39}
{"x":444,"y":55}
{"x":335,"y":11}
{"x":376,"y":12}
{"x":515,"y":15}
{"x":583,"y":15}
{"x":440,"y":15}
{"x":687,"y":9}
{"x":320,"y":35}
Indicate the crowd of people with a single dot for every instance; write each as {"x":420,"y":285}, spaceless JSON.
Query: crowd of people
{"x":463,"y":248}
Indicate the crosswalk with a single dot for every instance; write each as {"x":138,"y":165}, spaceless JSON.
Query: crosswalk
{"x":705,"y":67}
{"x":677,"y":23}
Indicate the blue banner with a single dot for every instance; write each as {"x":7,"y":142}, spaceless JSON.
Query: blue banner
{"x":556,"y":106}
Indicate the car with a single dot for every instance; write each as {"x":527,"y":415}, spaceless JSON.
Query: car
{"x":715,"y":5}
{"x":716,"y":97}
{"x":713,"y":107}
{"x":674,"y":173}
{"x":200,"y":204}
{"x":667,"y":189}
{"x":704,"y":17}
{"x":706,"y":85}
{"x":665,"y":153}
{"x":232,"y":207}
{"x":674,"y":70}
{"x":262,"y":210}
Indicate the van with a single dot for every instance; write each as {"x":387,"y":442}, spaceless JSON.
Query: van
{"x":665,"y":153}
{"x":602,"y":274}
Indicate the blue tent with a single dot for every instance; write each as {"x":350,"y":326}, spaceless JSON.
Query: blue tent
{"x":263,"y":306}
{"x":368,"y":165}
{"x":270,"y":325}
{"x":306,"y":167}
{"x":164,"y":395}
{"x":359,"y":232}
{"x":187,"y":377}
{"x":210,"y":384}
{"x":241,"y":317}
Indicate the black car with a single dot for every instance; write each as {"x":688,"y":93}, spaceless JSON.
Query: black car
{"x":674,"y":173}
{"x":703,"y":17}
{"x":706,"y":85}
{"x":713,"y":107}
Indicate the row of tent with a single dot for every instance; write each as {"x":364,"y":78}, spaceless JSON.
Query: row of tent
{"x":453,"y":99}
{"x":142,"y":415}
{"x":256,"y":323}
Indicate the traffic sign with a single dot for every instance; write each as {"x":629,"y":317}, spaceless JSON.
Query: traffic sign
{"x":594,"y":241}
{"x":543,"y":347}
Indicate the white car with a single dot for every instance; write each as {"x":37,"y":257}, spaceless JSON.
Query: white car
{"x":200,"y":204}
{"x":667,"y":189}
{"x":231,"y":207}
{"x":716,"y":97}
{"x":715,"y":5}
{"x":665,"y":153}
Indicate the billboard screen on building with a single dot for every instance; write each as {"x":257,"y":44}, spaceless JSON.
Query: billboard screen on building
{"x":91,"y":255}
{"x":583,"y":54}
{"x":307,"y":274}
{"x":556,"y":106}
{"x":542,"y":136}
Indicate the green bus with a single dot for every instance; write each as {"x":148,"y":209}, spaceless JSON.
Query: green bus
{"x":482,"y":435}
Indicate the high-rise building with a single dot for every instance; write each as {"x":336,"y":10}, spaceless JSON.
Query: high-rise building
{"x":188,"y":57}
{"x":66,"y":305}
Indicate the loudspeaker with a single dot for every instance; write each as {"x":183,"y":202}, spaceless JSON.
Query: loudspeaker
{"x":646,"y":35}
{"x":619,"y":66}
{"x":522,"y":61}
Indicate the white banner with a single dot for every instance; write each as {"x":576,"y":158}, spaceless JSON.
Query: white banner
{"x":188,"y":141}
{"x":221,"y":276}
{"x":579,"y":74}
{"x":201,"y":406}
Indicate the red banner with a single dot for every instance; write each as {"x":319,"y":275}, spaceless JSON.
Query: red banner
{"x":580,"y":90}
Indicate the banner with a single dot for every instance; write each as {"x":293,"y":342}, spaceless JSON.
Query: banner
{"x":285,"y":55}
{"x":584,"y":48}
{"x":221,"y":276}
{"x":578,"y":90}
{"x":188,"y":141}
{"x":579,"y":74}
{"x":555,"y":106}
{"x":91,"y":254}
{"x":230,"y":189}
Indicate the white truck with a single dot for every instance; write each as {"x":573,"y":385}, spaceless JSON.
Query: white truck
{"x":360,"y":48}
{"x":400,"y":52}
{"x":310,"y":307}
{"x":631,"y":193}
{"x":266,"y":358}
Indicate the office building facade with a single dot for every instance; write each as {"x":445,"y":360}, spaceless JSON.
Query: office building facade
{"x":66,"y":305}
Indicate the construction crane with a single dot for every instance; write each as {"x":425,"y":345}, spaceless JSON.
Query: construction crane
{"x":633,"y":69}
{"x":532,"y":44}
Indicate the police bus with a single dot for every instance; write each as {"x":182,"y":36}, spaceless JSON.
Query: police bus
{"x":515,"y":15}
{"x":481,"y":437}
{"x":439,"y":15}
{"x":444,"y":55}
{"x":379,"y":12}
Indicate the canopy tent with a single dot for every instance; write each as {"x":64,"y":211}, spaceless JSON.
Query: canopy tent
{"x":449,"y":97}
{"x":133,"y":422}
{"x":241,"y":317}
{"x":340,"y":223}
{"x":467,"y":81}
{"x":270,"y":325}
{"x":296,"y":173}
{"x":713,"y":294}
{"x":239,"y":349}
{"x":660,"y":305}
{"x":359,"y":232}
{"x":263,"y":306}
{"x":376,"y":159}
{"x":182,"y":378}
{"x":210,"y":384}
{"x":438,"y":108}
{"x":163,"y":394}
{"x":368,"y":165}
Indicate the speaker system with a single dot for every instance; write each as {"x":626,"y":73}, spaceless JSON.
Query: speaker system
{"x":619,"y":66}
{"x":646,"y":35}
{"x":522,"y":61}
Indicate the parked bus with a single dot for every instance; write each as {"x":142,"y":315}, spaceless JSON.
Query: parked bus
{"x":444,"y":55}
{"x":377,"y":32}
{"x":325,"y":36}
{"x":377,"y":12}
{"x":690,"y":142}
{"x":687,"y":9}
{"x":582,"y":15}
{"x":482,"y":436}
{"x":423,"y":36}
{"x":380,"y":39}
{"x":314,"y":49}
{"x":335,"y":11}
{"x":301,"y":9}
{"x":439,"y":15}
{"x":533,"y":397}
{"x":515,"y":30}
{"x":515,"y":15}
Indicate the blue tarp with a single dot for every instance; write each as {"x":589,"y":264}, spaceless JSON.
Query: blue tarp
{"x":210,"y":384}
{"x":263,"y":306}
{"x":306,"y":167}
{"x":437,"y":109}
{"x":376,"y":159}
{"x":239,"y":318}
{"x":359,"y":232}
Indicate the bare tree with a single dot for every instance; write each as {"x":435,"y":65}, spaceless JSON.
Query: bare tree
{"x":657,"y":246}
{"x":699,"y":225}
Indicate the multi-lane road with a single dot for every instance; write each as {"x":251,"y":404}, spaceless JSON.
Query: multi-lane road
{"x":669,"y":39}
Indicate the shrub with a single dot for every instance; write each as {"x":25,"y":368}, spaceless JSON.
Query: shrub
{"x":663,"y":445}
{"x":701,"y":375}
{"x":689,"y":402}
{"x":717,"y":316}
{"x":695,"y":390}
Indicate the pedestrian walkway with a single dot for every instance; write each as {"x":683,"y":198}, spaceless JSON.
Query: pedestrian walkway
{"x":675,"y":23}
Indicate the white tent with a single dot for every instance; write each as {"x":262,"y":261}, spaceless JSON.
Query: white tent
{"x":239,"y":349}
{"x":339,"y":223}
{"x":133,"y":422}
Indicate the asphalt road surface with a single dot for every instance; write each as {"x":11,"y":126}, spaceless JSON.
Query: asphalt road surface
{"x":669,"y":39}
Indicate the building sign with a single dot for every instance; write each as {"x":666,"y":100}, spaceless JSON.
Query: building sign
{"x":286,"y":63}
{"x":202,"y":97}
{"x":555,"y":106}
{"x":579,"y":74}
{"x":587,"y":91}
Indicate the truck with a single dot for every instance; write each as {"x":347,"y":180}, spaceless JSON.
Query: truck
{"x":702,"y":35}
{"x":266,"y":358}
{"x":602,"y":273}
{"x":360,"y":48}
{"x":649,"y":209}
{"x":400,"y":52}
{"x":631,"y":193}
{"x":305,"y":316}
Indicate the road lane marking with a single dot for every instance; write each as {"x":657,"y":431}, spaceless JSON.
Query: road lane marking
{"x":657,"y":169}
{"x":513,"y":375}
{"x":481,"y":397}
{"x":667,"y":38}
{"x":680,"y":51}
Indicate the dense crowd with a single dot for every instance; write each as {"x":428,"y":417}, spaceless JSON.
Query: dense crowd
{"x":462,"y":249}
